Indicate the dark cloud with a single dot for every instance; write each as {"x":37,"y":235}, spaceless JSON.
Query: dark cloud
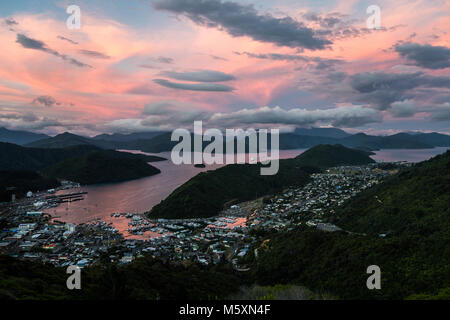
{"x":141,"y":90}
{"x":166,"y":60}
{"x":147,"y":66}
{"x":26,"y":117}
{"x":218,"y":58}
{"x":244,"y":20}
{"x":337,"y":76}
{"x":47,"y":101}
{"x":426,"y":56}
{"x":403,"y":109}
{"x":67,"y":39}
{"x":11,"y":22}
{"x":442,"y":113}
{"x":199,"y":76}
{"x":320,"y":63}
{"x":330,"y":20}
{"x":94,"y":54}
{"x":348,"y":116}
{"x":194,"y":86}
{"x":382,"y":89}
{"x":30,"y":43}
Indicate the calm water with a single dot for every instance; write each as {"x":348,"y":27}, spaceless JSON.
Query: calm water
{"x":141,"y":195}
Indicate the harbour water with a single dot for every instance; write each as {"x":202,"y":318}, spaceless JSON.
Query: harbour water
{"x":138,"y":196}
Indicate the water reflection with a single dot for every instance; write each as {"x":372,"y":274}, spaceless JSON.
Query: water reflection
{"x":138,"y":196}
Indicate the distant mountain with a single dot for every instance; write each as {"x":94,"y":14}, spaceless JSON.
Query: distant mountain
{"x":295,"y":141}
{"x":63,"y":140}
{"x":127,"y":137}
{"x":322,"y":132}
{"x":159,"y":143}
{"x":100,"y":167}
{"x":325,"y":156}
{"x":434,"y":139}
{"x":397,"y":141}
{"x":156,"y":142}
{"x":20,"y":137}
{"x":14,"y":157}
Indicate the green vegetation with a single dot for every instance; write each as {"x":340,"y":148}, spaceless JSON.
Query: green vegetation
{"x":146,"y":278}
{"x":277,"y":292}
{"x":414,"y":257}
{"x":82,"y":163}
{"x":20,"y":182}
{"x":411,"y":209}
{"x":325,"y":156}
{"x":14,"y":157}
{"x":206,"y":194}
{"x":101,"y":167}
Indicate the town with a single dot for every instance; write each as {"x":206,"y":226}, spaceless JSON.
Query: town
{"x":231,"y":237}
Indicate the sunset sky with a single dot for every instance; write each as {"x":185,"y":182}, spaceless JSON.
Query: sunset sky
{"x":139,"y":65}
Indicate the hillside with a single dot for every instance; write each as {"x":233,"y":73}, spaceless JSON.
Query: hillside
{"x":414,"y":257}
{"x":206,"y":194}
{"x":333,"y":156}
{"x":20,"y":137}
{"x":20,"y":182}
{"x":100,"y":167}
{"x":14,"y":157}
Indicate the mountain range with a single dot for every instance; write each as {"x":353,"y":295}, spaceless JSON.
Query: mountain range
{"x":20,"y":137}
{"x":155,"y":142}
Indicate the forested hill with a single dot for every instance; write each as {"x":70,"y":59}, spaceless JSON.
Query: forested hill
{"x":415,"y":200}
{"x":100,"y":167}
{"x":15,"y":157}
{"x":407,"y":234}
{"x":326,"y":155}
{"x":206,"y":194}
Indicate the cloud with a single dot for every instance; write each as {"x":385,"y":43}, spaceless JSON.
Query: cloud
{"x":348,"y":116}
{"x":46,"y":101}
{"x":382,"y":89}
{"x":30,"y":43}
{"x":94,"y":54}
{"x":426,"y":56}
{"x":26,"y":117}
{"x":11,"y":22}
{"x":199,"y":76}
{"x":67,"y":39}
{"x":321,"y":63}
{"x":244,"y":20}
{"x":194,"y":86}
{"x":218,"y":58}
{"x":442,"y":113}
{"x":403,"y":109}
{"x":166,"y":60}
{"x":27,"y":121}
{"x":169,"y":115}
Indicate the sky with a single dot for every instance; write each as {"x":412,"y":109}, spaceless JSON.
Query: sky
{"x":141,"y":65}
